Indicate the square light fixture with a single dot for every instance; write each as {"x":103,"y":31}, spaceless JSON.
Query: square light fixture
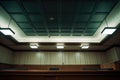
{"x":7,"y":31}
{"x":60,"y":46}
{"x":84,"y":46}
{"x":34,"y":45}
{"x":108,"y":30}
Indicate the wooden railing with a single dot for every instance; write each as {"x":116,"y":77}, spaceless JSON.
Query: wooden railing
{"x":58,"y":75}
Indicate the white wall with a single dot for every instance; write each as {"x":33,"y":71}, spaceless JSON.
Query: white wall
{"x":5,"y":55}
{"x":58,"y":58}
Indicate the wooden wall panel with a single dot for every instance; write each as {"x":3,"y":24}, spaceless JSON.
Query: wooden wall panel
{"x":117,"y":65}
{"x":109,"y":65}
{"x":5,"y":55}
{"x":61,"y":67}
{"x":4,"y":66}
{"x":59,"y":75}
{"x":118,"y":52}
{"x":111,"y":55}
{"x":58,"y":58}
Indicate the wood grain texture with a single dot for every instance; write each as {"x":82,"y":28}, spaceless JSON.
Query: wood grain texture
{"x":59,"y":75}
{"x":61,"y":67}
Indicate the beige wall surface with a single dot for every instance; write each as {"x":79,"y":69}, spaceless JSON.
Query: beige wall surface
{"x":67,"y":58}
{"x":112,"y":55}
{"x":5,"y":55}
{"x":58,"y":58}
{"x":118,"y":52}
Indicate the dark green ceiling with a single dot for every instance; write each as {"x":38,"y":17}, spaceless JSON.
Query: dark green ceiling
{"x":58,"y":17}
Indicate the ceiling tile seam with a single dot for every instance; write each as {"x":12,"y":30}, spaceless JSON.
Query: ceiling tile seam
{"x":76,"y":8}
{"x":20,"y":3}
{"x":81,"y":13}
{"x":59,"y":16}
{"x":92,"y":14}
{"x":45,"y":21}
{"x":107,"y":13}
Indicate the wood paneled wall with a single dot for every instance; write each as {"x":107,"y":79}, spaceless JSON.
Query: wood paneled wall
{"x":111,"y":55}
{"x":58,"y":58}
{"x":6,"y":55}
{"x":118,"y":53}
{"x":5,"y":66}
{"x":59,"y":75}
{"x":61,"y":67}
{"x":117,"y":65}
{"x":109,"y":65}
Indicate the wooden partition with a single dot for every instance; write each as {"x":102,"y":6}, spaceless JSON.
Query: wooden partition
{"x":109,"y":65}
{"x":3,"y":65}
{"x":114,"y":65}
{"x":117,"y":65}
{"x":59,"y":75}
{"x":61,"y":67}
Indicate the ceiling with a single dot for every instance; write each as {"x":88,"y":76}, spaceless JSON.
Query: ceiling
{"x":58,"y":18}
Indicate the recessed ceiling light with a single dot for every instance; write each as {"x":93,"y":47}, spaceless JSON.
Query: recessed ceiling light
{"x":7,"y":31}
{"x":34,"y":45}
{"x":108,"y":30}
{"x":51,"y":18}
{"x":84,"y":46}
{"x":60,"y":46}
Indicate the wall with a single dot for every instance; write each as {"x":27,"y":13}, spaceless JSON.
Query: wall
{"x":112,"y":55}
{"x":59,"y":75}
{"x":118,"y":52}
{"x":109,"y":65}
{"x":58,"y":58}
{"x":5,"y":55}
{"x":57,"y":67}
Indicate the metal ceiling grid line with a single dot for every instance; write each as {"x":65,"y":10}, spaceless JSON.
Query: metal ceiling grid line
{"x":64,"y":25}
{"x":45,"y":21}
{"x":82,"y":14}
{"x":20,"y":3}
{"x":67,"y":8}
{"x":101,"y":13}
{"x":92,"y":14}
{"x":59,"y":16}
{"x":56,"y":23}
{"x":21,"y":22}
{"x":73,"y":18}
{"x":50,"y":17}
{"x":15,"y":13}
{"x":95,"y":21}
{"x":76,"y":14}
{"x":31,"y":13}
{"x":86,"y":22}
{"x":85,"y":13}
